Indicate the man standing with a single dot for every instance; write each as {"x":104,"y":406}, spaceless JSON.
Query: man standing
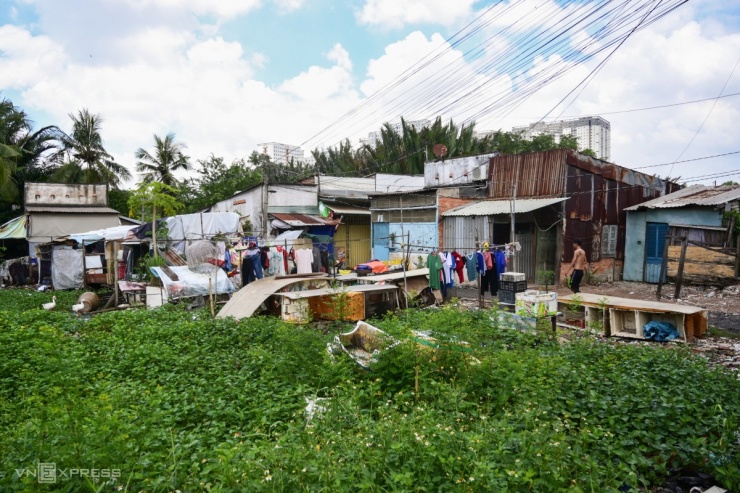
{"x":577,"y":266}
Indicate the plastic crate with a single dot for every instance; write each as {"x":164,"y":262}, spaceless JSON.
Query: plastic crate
{"x":536,"y":304}
{"x":508,"y":297}
{"x":516,"y":286}
{"x":513,"y":276}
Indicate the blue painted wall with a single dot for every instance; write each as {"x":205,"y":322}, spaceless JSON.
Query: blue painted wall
{"x":634,"y":249}
{"x":423,"y":236}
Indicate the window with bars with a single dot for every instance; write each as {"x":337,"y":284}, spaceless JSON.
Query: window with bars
{"x":609,"y":240}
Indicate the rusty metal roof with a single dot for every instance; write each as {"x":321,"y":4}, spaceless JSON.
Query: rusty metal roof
{"x":700,"y":195}
{"x":71,"y":209}
{"x":300,"y":220}
{"x":493,"y":207}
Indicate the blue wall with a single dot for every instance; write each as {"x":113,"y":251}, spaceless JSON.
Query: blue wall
{"x":423,"y":236}
{"x":634,"y":248}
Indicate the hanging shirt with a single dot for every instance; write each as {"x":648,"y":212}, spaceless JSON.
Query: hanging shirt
{"x":434,"y":263}
{"x":471,"y":264}
{"x":481,"y":262}
{"x":449,"y":269}
{"x":501,"y":261}
{"x":303,"y":261}
{"x":459,"y":266}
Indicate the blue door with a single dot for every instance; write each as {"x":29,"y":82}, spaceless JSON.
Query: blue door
{"x":380,"y":241}
{"x":655,"y":238}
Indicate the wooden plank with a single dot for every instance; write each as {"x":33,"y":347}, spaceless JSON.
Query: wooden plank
{"x":595,"y":300}
{"x":702,"y":270}
{"x":681,"y":263}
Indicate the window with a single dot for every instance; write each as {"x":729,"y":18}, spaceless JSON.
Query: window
{"x":609,"y":240}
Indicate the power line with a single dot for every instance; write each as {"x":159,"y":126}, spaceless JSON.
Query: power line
{"x":708,"y":113}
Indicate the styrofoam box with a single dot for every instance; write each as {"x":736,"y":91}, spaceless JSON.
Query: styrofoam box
{"x":534,"y":303}
{"x":513,"y":276}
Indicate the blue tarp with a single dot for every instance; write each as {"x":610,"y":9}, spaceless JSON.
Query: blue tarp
{"x":660,"y":331}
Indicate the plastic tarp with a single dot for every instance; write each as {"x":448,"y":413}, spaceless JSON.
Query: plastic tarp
{"x":15,"y":229}
{"x":660,"y":331}
{"x":200,"y":226}
{"x":107,"y":234}
{"x":66,"y":268}
{"x":191,"y":283}
{"x":45,"y":227}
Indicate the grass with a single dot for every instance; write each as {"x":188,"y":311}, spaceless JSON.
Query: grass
{"x":713,"y":331}
{"x":168,"y":400}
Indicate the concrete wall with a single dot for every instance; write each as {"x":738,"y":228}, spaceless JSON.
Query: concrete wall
{"x":457,"y":171}
{"x":248,"y":204}
{"x":634,"y":251}
{"x":61,"y":194}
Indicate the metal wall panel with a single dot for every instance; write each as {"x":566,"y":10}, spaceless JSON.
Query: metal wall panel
{"x":460,"y":232}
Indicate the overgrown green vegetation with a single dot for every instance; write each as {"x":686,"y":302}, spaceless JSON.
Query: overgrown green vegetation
{"x":177,"y":401}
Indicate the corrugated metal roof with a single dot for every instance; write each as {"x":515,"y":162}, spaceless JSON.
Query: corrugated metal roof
{"x":493,"y":207}
{"x":701,"y":195}
{"x":71,"y":210}
{"x":299,"y":220}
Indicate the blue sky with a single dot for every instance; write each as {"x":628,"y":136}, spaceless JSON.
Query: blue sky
{"x":226,"y":75}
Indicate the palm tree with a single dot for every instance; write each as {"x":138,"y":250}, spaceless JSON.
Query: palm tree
{"x":24,"y":155}
{"x":166,"y":159}
{"x":85,"y":147}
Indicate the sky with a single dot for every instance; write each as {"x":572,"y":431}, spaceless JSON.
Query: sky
{"x":227,"y":75}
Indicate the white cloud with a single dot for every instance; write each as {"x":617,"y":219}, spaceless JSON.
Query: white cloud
{"x":393,"y":14}
{"x":203,"y":90}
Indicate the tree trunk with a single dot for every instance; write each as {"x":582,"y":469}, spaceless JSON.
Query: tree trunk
{"x":154,"y":230}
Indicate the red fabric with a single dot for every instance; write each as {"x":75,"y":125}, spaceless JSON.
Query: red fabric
{"x":377,"y":266}
{"x":121,"y":270}
{"x":459,"y":266}
{"x":488,"y":257}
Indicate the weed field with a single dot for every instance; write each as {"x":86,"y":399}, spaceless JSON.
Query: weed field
{"x":168,"y":400}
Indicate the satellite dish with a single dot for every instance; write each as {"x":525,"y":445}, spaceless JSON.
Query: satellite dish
{"x":440,"y":150}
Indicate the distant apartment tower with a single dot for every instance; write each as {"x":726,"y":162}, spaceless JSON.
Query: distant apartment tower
{"x":374,"y":137}
{"x":282,"y":153}
{"x":593,"y":132}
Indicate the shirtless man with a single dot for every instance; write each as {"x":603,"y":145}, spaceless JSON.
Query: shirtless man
{"x":577,"y":266}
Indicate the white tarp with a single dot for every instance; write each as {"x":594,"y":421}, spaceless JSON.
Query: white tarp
{"x":200,"y":226}
{"x":191,"y":283}
{"x":66,"y":268}
{"x":107,"y":234}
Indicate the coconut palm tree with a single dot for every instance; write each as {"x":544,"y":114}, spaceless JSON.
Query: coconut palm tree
{"x":25,"y":155}
{"x":85,"y":147}
{"x":163,"y":162}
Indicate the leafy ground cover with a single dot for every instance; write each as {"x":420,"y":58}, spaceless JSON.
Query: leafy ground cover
{"x":168,"y":400}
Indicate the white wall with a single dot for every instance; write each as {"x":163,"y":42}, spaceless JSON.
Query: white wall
{"x":458,"y":171}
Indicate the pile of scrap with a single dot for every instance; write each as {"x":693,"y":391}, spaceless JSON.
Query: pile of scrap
{"x":363,"y":344}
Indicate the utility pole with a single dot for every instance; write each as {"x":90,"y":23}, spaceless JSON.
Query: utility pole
{"x":265,"y":194}
{"x":513,"y":221}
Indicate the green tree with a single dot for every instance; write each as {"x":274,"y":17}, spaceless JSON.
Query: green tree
{"x":590,"y":152}
{"x":25,"y":155}
{"x":161,"y":164}
{"x":156,"y":197}
{"x":118,"y":200}
{"x":85,"y":149}
{"x":217,"y":181}
{"x":280,"y":172}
